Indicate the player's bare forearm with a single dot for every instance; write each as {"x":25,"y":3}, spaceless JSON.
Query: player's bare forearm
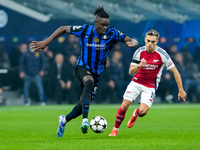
{"x":177,"y":76}
{"x":40,"y":45}
{"x":130,"y":42}
{"x":60,"y":31}
{"x":134,"y":68}
{"x":53,"y":36}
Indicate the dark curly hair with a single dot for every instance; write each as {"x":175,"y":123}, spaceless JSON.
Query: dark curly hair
{"x":101,"y":12}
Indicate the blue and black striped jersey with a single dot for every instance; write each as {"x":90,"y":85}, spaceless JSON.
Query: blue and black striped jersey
{"x":94,"y":48}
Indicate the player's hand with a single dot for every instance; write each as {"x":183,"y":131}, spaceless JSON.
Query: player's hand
{"x":142,"y":63}
{"x":132,"y":43}
{"x":182,"y":95}
{"x":37,"y":45}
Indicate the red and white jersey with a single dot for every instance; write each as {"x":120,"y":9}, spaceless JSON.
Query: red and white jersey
{"x":150,"y":75}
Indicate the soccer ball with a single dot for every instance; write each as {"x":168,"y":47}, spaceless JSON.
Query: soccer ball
{"x":98,"y":124}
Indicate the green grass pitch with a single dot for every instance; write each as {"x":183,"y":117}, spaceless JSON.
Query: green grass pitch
{"x":166,"y":126}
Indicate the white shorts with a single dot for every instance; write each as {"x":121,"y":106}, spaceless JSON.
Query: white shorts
{"x":134,"y":89}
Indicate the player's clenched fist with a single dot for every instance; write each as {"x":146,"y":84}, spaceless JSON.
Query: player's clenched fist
{"x":142,"y":63}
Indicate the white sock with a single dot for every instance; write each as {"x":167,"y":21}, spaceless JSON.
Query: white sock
{"x":134,"y":115}
{"x":84,"y":119}
{"x":116,"y":128}
{"x":64,"y":120}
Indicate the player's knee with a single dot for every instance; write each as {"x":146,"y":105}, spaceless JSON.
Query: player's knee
{"x":89,"y":84}
{"x":125,"y":104}
{"x":124,"y":107}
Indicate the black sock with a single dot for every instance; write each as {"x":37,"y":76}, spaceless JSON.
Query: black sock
{"x":86,"y":97}
{"x":76,"y":111}
{"x":85,"y":107}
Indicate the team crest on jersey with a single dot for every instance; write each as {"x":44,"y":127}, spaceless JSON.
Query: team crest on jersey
{"x":37,"y":54}
{"x":155,"y":60}
{"x":96,"y":40}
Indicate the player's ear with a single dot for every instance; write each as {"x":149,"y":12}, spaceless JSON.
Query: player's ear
{"x":95,"y":22}
{"x":157,"y":41}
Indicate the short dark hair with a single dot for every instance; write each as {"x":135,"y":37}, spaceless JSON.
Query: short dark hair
{"x":101,"y":12}
{"x":153,"y":32}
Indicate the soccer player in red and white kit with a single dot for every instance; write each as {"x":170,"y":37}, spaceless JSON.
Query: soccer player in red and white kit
{"x":146,"y":66}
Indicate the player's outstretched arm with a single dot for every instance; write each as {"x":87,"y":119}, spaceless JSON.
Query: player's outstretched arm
{"x":181,"y":93}
{"x":130,"y":42}
{"x":40,"y":45}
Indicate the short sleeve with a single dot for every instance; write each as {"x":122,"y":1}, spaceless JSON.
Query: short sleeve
{"x":118,"y":35}
{"x":77,"y":30}
{"x":167,"y":61}
{"x":136,"y":57}
{"x":169,"y":64}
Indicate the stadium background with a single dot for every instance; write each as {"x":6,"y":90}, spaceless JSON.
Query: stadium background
{"x":22,"y":21}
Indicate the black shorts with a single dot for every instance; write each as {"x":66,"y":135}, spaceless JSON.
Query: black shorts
{"x":81,"y":72}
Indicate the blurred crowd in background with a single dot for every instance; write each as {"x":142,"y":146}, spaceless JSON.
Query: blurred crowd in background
{"x":60,"y":85}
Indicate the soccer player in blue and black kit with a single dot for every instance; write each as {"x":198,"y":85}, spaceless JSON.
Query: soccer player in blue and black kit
{"x":96,"y":41}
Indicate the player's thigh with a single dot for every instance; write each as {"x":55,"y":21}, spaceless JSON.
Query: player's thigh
{"x":147,"y":96}
{"x":133,"y":90}
{"x":83,"y":74}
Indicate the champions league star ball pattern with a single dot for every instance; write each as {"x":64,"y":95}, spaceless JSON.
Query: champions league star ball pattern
{"x":98,"y":124}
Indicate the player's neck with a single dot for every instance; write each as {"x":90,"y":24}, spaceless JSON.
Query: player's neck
{"x":151,"y":50}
